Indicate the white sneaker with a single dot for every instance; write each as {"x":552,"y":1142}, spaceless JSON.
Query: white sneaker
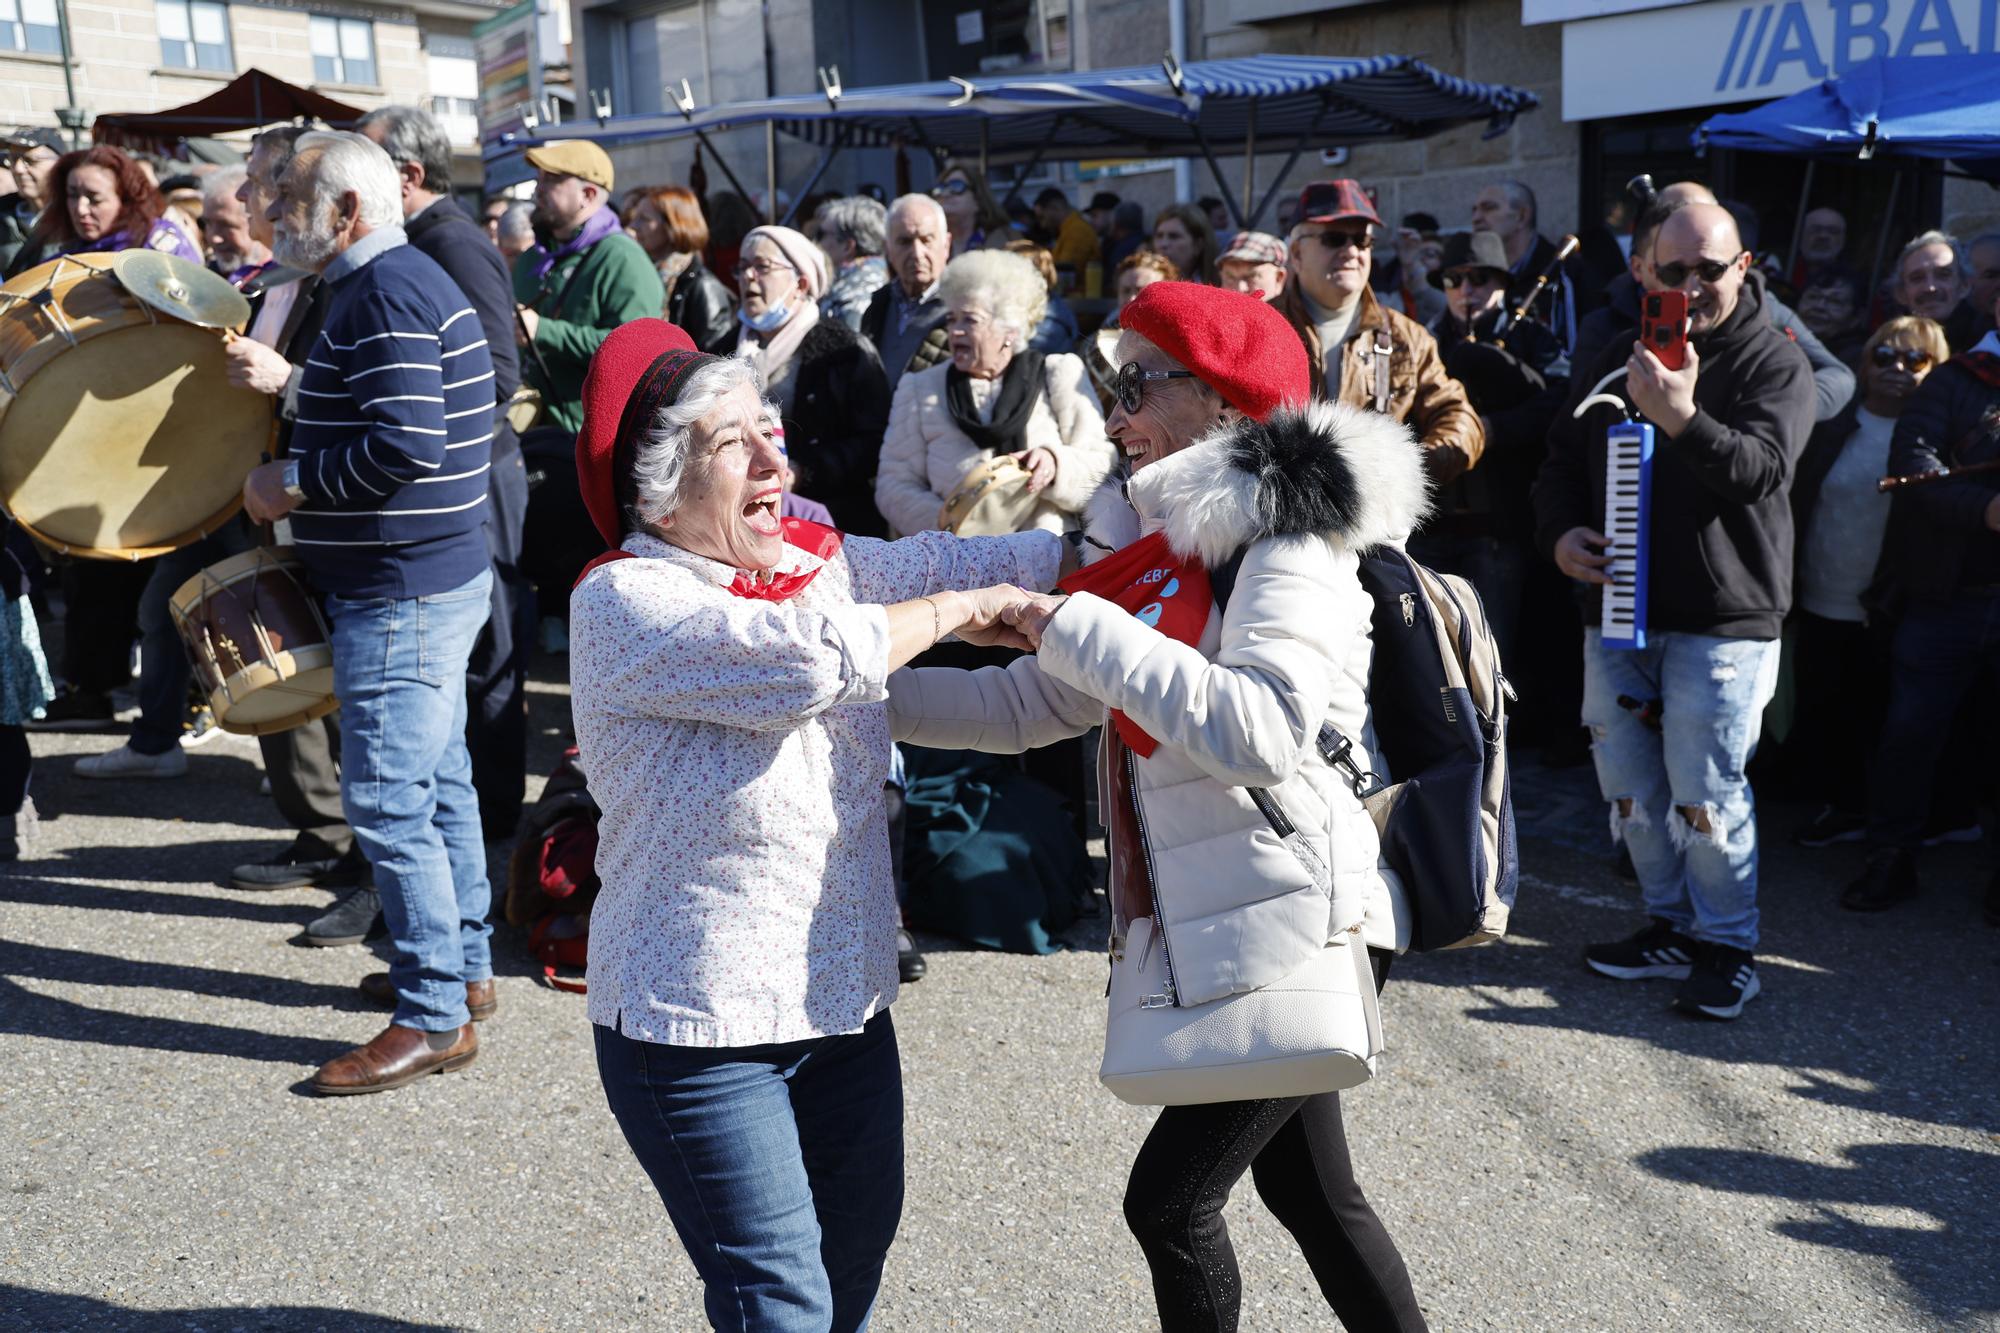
{"x":126,"y":762}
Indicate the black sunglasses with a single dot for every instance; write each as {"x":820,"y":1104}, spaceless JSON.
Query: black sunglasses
{"x":1360,"y":240}
{"x":1129,"y":384}
{"x":1675,"y":274}
{"x":951,"y":187}
{"x":1475,"y":277}
{"x":1914,"y":359}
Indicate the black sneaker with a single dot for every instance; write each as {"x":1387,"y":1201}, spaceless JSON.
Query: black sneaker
{"x":1890,"y":878}
{"x":1952,"y":829}
{"x":1830,"y":826}
{"x":353,"y":919}
{"x":298,"y":868}
{"x":75,"y":710}
{"x":910,"y":965}
{"x":1657,"y":951}
{"x":1723,"y":981}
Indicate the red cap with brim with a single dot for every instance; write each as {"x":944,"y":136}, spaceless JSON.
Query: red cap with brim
{"x":1235,"y":342}
{"x":637,"y":370}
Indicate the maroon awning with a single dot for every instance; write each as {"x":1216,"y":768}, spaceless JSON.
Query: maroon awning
{"x":251,"y":100}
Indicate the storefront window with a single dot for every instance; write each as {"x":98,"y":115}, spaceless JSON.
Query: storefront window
{"x":1010,"y":37}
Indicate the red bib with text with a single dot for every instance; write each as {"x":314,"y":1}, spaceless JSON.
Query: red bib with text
{"x":1164,"y":591}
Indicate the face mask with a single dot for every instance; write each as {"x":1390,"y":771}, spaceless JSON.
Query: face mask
{"x":772,"y":319}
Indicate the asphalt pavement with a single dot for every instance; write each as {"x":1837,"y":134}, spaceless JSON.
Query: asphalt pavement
{"x":1550,"y":1149}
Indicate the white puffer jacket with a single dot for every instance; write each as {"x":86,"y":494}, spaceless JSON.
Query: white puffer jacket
{"x":925,"y":455}
{"x":1301,"y":495}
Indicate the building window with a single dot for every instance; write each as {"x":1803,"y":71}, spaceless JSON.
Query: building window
{"x":343,"y":51}
{"x":29,"y":25}
{"x":194,"y":34}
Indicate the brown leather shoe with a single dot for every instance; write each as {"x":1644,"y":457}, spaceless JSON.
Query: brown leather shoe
{"x":396,"y":1056}
{"x":480,"y":997}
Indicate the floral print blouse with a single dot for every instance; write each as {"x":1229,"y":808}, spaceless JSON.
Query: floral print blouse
{"x":737,"y":748}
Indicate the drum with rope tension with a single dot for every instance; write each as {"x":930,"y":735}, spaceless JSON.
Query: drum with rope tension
{"x":260,"y":647}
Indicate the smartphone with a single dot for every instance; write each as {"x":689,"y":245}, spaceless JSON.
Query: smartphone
{"x":1663,"y":326}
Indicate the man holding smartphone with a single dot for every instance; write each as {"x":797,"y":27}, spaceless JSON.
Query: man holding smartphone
{"x":1675,"y":722}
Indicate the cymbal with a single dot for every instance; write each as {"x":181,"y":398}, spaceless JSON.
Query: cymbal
{"x":183,"y":289}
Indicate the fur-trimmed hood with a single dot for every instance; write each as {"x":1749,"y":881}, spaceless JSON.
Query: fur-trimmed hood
{"x":1342,"y":472}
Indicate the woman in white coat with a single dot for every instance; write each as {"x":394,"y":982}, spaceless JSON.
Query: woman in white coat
{"x":1205,"y":702}
{"x":995,"y":397}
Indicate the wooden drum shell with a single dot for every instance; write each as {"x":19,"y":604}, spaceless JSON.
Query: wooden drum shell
{"x":260,"y":647}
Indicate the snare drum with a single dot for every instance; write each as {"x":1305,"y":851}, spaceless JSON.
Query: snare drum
{"x":260,"y":647}
{"x":120,"y":434}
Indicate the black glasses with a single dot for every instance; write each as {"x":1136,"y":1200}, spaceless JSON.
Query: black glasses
{"x":1914,"y":359}
{"x":1477,"y":277}
{"x":947,"y":188}
{"x":1675,"y":274}
{"x":1129,"y":384}
{"x":1360,"y":240}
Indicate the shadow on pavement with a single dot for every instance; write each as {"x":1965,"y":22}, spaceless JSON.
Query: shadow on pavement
{"x":204,"y":861}
{"x":26,"y":1308}
{"x":1948,"y":1266}
{"x":16,"y":887}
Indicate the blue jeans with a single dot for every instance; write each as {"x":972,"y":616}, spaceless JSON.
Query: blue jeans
{"x":406,"y":784}
{"x":1710,"y":695}
{"x":781,"y":1167}
{"x":1941,"y":650}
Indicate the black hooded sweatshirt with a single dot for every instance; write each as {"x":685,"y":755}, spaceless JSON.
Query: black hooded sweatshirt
{"x":1721,"y":541}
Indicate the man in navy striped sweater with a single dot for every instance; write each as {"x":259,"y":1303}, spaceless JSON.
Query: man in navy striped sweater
{"x":386,"y":492}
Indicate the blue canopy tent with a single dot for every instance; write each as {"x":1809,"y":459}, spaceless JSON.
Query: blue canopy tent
{"x":1945,"y":108}
{"x":1896,"y":110}
{"x":1294,"y":103}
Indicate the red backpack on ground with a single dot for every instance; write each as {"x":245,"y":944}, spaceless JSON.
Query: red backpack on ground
{"x":552,"y":876}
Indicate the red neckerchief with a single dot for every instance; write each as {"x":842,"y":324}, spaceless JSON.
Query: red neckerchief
{"x":1163,"y":590}
{"x":815,"y":538}
{"x":1982,"y":366}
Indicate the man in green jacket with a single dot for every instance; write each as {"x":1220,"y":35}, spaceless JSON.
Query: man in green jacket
{"x":587,"y":277}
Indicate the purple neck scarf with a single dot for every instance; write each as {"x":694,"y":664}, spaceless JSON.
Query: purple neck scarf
{"x":595,"y":228}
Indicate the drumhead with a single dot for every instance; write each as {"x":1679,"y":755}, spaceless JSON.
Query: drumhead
{"x":131,"y":443}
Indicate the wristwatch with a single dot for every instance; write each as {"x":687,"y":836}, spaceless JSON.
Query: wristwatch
{"x":290,"y":478}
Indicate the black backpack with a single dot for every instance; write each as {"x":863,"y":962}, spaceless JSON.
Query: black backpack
{"x":1439,"y":702}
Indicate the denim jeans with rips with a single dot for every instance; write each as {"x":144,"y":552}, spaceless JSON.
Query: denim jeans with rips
{"x":1705,"y":699}
{"x":406,"y":783}
{"x":781,"y":1167}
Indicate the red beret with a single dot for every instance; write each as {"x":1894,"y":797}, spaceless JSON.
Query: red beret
{"x":625,"y":361}
{"x":1234,"y":342}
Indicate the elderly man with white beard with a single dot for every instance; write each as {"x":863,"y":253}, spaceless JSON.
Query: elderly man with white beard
{"x":386,"y":493}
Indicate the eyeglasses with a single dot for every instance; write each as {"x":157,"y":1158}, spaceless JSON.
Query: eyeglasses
{"x":1913,"y":359}
{"x":763,"y":268}
{"x":946,"y":189}
{"x":1334,"y":240}
{"x":1129,"y":384}
{"x":1675,"y":274}
{"x":1471,"y":278}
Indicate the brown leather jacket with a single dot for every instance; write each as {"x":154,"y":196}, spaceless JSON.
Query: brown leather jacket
{"x":1419,"y":392}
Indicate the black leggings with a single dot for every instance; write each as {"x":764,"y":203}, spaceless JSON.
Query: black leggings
{"x":1296,"y":1152}
{"x":16,"y":762}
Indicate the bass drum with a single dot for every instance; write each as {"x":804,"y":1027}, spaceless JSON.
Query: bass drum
{"x":120,"y":435}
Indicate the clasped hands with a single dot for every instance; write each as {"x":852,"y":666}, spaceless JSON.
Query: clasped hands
{"x":1005,"y":616}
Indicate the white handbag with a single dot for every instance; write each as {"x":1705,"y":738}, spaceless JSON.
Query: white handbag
{"x":1318,"y":1029}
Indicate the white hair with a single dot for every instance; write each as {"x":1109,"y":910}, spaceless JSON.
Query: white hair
{"x":221,"y":184}
{"x":1006,"y":285}
{"x":660,"y":466}
{"x":903,"y":203}
{"x":1960,"y":264}
{"x":344,"y":163}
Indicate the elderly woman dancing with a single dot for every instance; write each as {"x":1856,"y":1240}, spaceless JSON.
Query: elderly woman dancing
{"x":729,"y":677}
{"x":995,"y":397}
{"x":1212,"y":692}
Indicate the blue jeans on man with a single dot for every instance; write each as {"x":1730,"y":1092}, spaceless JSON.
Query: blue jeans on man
{"x":1673,"y":726}
{"x":781,"y":1167}
{"x":406,"y":784}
